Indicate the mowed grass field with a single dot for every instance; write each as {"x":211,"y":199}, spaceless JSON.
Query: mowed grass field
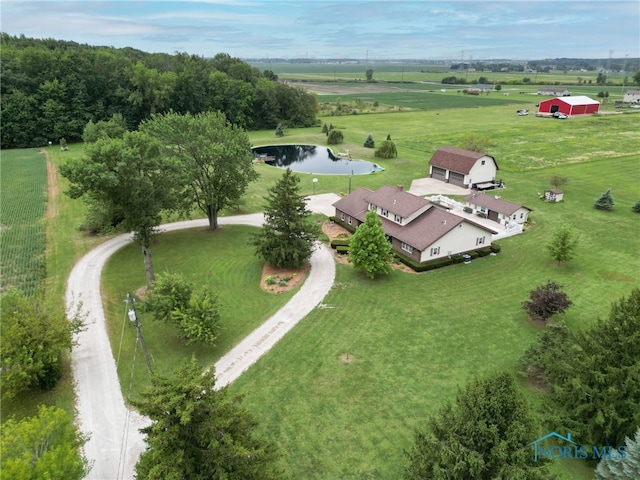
{"x":343,"y":391}
{"x":413,"y":340}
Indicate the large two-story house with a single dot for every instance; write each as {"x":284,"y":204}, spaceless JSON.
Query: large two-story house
{"x":416,"y":227}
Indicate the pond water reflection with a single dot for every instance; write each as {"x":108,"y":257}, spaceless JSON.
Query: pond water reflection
{"x":312,"y":159}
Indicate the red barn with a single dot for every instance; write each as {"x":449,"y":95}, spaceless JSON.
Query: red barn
{"x":579,"y":105}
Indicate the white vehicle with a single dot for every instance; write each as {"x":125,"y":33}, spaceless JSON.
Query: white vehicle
{"x":523,"y":112}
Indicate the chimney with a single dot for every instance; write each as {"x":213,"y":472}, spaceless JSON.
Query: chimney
{"x":400,"y":188}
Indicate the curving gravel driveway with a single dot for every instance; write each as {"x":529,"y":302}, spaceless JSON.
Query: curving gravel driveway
{"x":115,"y":441}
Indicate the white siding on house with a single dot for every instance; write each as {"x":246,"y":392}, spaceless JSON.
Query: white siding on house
{"x":461,"y":239}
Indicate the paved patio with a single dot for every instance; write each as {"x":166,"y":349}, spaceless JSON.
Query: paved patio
{"x":431,"y":186}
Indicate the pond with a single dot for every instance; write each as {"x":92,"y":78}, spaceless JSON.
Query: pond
{"x":313,"y":159}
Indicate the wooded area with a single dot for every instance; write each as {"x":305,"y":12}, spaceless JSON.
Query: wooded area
{"x":50,"y":89}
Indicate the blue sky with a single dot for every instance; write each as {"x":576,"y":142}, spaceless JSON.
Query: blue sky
{"x":475,"y":29}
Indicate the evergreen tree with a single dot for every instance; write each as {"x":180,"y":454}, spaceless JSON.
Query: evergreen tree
{"x":627,"y":468}
{"x":593,"y":375}
{"x":369,"y":143}
{"x":636,"y":207}
{"x":198,"y":432}
{"x":546,"y":301}
{"x":484,"y":434}
{"x":369,"y":249}
{"x":287,"y":238}
{"x":325,"y":129}
{"x":563,"y":243}
{"x":605,"y":201}
{"x":279,"y":131}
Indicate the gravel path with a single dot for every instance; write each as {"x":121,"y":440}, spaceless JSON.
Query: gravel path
{"x":115,"y":441}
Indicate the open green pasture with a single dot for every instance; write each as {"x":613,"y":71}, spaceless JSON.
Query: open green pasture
{"x":224,"y":260}
{"x":23,"y":187}
{"x":344,"y":390}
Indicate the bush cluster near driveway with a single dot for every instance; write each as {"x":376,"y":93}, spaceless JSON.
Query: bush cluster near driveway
{"x":224,"y":260}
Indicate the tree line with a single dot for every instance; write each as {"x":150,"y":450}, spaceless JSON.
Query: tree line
{"x":50,"y":89}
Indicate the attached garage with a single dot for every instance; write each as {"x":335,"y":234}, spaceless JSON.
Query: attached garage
{"x":580,"y":105}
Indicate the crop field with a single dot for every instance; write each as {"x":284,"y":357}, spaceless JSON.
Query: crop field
{"x":411,"y":72}
{"x":23,"y":190}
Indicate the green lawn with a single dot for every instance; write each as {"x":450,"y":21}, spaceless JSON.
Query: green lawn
{"x":224,"y":260}
{"x":412,"y":340}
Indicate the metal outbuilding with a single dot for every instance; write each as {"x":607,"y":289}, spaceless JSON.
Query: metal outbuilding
{"x":579,"y":105}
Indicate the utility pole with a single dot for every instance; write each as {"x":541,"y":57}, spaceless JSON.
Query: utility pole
{"x":133,"y":316}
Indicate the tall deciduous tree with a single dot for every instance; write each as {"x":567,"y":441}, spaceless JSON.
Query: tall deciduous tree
{"x":132,"y":177}
{"x":563,"y":244}
{"x":483,"y":435}
{"x":546,"y":301}
{"x":287,"y":237}
{"x":215,"y":158}
{"x":35,"y":337}
{"x":46,"y":446}
{"x":369,"y":249}
{"x":200,"y":433}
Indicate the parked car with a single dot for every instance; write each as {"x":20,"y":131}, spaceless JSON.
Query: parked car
{"x":562,"y":116}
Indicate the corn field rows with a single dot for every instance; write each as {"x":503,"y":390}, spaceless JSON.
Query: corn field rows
{"x":23,"y":196}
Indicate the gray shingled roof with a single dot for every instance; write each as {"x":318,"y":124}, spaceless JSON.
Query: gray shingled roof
{"x":492,"y":203}
{"x":457,"y":159}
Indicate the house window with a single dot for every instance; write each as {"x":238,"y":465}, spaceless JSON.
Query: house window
{"x":522,"y":215}
{"x":435,"y":251}
{"x":407,"y":248}
{"x":342,"y":216}
{"x":372,"y":207}
{"x":385,"y":213}
{"x":480,"y":241}
{"x":482,"y":162}
{"x":514,"y":216}
{"x":349,"y":220}
{"x":398,"y":218}
{"x":483,"y":209}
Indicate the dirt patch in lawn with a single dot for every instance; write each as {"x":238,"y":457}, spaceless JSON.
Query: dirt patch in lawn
{"x":278,"y":280}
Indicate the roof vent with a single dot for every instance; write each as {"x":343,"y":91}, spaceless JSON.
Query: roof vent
{"x":400,"y":187}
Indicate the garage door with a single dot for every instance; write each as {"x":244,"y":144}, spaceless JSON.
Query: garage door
{"x":456,"y":179}
{"x":493,"y":215}
{"x":439,"y":174}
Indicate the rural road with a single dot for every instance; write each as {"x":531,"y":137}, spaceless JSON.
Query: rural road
{"x":115,"y":441}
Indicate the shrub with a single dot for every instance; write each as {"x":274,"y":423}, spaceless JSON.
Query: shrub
{"x":636,"y":207}
{"x":387,"y":150}
{"x":335,"y":137}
